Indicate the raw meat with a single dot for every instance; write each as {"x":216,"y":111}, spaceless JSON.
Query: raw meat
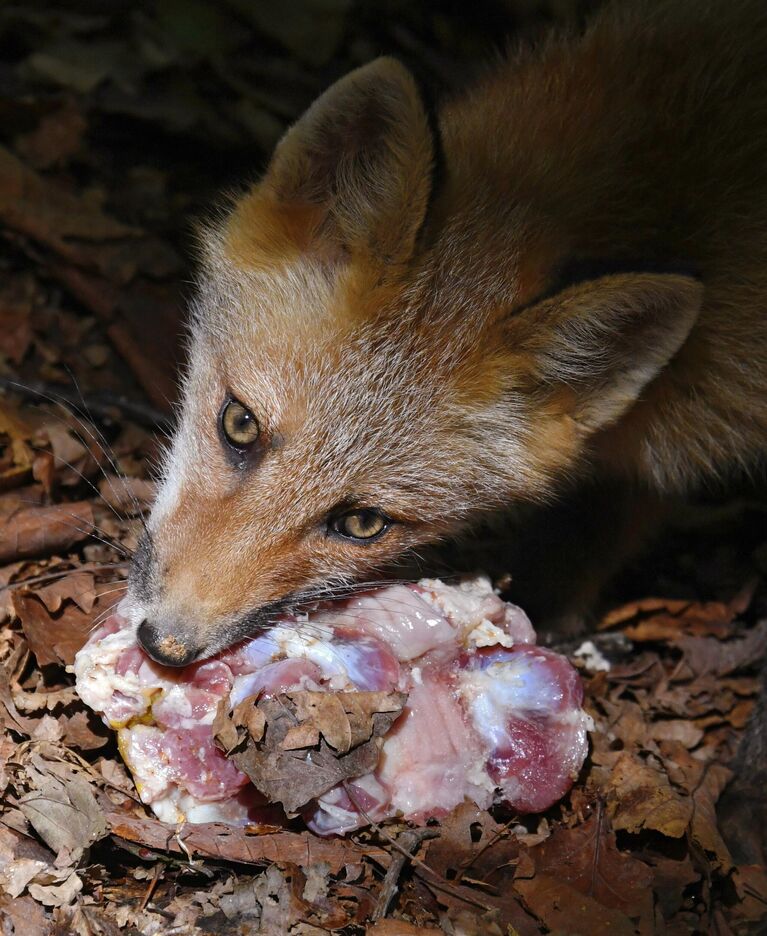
{"x":489,"y":715}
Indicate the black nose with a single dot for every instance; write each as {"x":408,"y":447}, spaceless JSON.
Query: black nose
{"x":165,"y":648}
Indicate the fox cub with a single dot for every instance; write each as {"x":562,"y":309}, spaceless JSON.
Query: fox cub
{"x":408,"y":323}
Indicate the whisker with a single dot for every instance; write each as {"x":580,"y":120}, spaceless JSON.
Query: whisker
{"x":107,"y":449}
{"x":110,"y":591}
{"x":99,"y":620}
{"x":109,"y":541}
{"x":52,"y":576}
{"x":103,"y":447}
{"x":91,"y":485}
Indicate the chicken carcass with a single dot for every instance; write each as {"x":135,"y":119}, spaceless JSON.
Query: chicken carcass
{"x":489,"y":715}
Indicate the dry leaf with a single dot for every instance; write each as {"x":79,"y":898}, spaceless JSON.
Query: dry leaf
{"x":566,"y":910}
{"x":640,"y":797}
{"x":287,"y":754}
{"x":56,"y":638}
{"x":32,"y":532}
{"x":218,"y":841}
{"x":61,"y":807}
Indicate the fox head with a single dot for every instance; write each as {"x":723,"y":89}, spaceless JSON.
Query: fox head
{"x":369,"y":368}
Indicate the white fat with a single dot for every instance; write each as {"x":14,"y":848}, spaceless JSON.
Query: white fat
{"x":315,"y":647}
{"x":577,"y":717}
{"x":151,"y":772}
{"x":483,"y":787}
{"x":591,"y":657}
{"x":97,"y":681}
{"x":487,"y":634}
{"x":458,"y":603}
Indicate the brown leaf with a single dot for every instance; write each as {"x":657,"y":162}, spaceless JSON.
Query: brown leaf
{"x":25,"y":917}
{"x":398,"y":928}
{"x":84,"y":731}
{"x":566,"y":910}
{"x":127,"y":494}
{"x":646,"y":606}
{"x":33,"y":532}
{"x":61,"y":807}
{"x":709,"y":655}
{"x":670,"y":878}
{"x":55,"y":638}
{"x":344,"y":719}
{"x":471,"y":842}
{"x":214,"y":840}
{"x":587,"y":858}
{"x":78,"y":587}
{"x":640,"y":797}
{"x":287,"y":755}
{"x":705,"y":829}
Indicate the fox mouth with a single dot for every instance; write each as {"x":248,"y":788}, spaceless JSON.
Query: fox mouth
{"x":177,"y":645}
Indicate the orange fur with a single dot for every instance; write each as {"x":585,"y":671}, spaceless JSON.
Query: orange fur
{"x":421,"y":350}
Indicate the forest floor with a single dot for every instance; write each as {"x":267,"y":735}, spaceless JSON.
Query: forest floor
{"x":120,"y":126}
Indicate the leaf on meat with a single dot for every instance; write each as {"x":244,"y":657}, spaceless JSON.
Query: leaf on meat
{"x":300,"y":744}
{"x":344,"y":719}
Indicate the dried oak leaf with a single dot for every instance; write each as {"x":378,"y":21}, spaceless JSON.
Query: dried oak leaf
{"x":35,"y":532}
{"x":709,"y":655}
{"x":78,"y":587}
{"x":563,"y":909}
{"x":215,"y":840}
{"x":398,"y":928}
{"x":671,"y":876}
{"x":640,"y":796}
{"x":303,"y":743}
{"x":587,"y":858}
{"x":23,"y":916}
{"x":471,"y":842}
{"x":704,"y":828}
{"x":61,"y":806}
{"x":54,"y":638}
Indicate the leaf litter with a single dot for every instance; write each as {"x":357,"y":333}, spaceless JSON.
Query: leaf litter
{"x":93,"y":267}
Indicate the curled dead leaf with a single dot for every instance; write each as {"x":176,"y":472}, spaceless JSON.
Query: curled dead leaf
{"x":296,"y":746}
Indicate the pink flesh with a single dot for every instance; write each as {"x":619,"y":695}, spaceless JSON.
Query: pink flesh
{"x":490,"y":723}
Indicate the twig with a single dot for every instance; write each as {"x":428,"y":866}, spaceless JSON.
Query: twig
{"x":156,"y":875}
{"x":408,"y":841}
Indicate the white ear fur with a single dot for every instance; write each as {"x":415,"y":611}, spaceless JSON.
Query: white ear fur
{"x":363,"y":152}
{"x":606,"y":339}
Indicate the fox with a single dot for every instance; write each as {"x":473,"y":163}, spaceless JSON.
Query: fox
{"x":424,"y":313}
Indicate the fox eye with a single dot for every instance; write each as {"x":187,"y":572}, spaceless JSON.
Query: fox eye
{"x":360,"y":525}
{"x":239,"y":426}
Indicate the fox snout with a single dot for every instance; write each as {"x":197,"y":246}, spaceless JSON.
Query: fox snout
{"x":169,"y":643}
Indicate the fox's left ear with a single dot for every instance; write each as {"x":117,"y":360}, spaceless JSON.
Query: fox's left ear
{"x":362,"y":156}
{"x":595,"y":346}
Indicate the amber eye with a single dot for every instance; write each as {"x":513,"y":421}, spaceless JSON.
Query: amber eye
{"x":239,"y":425}
{"x":360,"y":524}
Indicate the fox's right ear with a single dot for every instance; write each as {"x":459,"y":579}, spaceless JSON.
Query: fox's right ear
{"x":356,"y":168}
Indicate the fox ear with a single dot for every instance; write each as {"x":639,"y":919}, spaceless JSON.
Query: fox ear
{"x":362,"y":155}
{"x":598,"y":344}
